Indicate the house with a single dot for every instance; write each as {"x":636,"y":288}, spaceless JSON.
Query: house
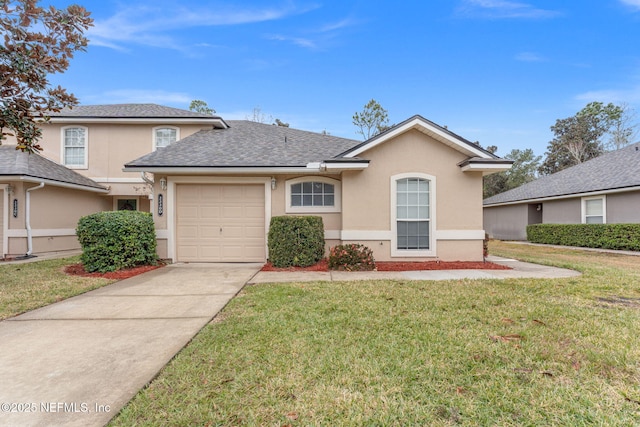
{"x":413,"y":192}
{"x":602,"y":190}
{"x":80,"y":171}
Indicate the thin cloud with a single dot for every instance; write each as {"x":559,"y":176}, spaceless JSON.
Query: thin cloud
{"x":529,"y":57}
{"x":148,"y":24}
{"x":315,"y":38}
{"x":503,"y":9}
{"x":298,"y":41}
{"x":617,"y":96}
{"x":633,"y":3}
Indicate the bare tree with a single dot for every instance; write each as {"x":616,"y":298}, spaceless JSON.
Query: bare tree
{"x":372,"y":120}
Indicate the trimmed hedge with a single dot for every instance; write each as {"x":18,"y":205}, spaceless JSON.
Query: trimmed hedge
{"x":115,"y":240}
{"x":296,"y":241}
{"x":605,"y":236}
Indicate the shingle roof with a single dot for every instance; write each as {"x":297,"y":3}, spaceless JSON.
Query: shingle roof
{"x":129,"y":111}
{"x":614,"y":170}
{"x":17,"y":163}
{"x":247,"y":144}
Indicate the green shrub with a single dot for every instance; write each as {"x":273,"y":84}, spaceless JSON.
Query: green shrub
{"x":115,"y":240}
{"x":606,"y":236}
{"x":296,"y":241}
{"x":351,"y":257}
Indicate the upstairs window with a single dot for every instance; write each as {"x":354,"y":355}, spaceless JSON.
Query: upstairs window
{"x":74,"y":147}
{"x":164,"y":136}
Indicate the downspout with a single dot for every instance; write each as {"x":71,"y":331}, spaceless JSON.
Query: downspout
{"x":28,"y":219}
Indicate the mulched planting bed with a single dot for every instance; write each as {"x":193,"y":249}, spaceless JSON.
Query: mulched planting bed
{"x":78,"y":270}
{"x":403,"y":266}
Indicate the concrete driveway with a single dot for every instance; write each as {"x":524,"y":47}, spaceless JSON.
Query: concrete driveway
{"x":79,"y":361}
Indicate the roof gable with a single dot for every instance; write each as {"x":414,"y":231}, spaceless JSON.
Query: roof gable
{"x":615,"y":170}
{"x":427,"y":127}
{"x":16,"y":164}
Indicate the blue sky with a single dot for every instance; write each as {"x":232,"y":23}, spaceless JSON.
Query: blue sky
{"x":495,"y":71}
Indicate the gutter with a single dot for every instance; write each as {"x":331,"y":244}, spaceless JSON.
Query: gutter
{"x":28,"y":219}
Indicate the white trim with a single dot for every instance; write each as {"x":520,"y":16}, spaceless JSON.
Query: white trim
{"x":343,"y":166}
{"x":42,"y":232}
{"x":566,"y":196}
{"x":55,"y":183}
{"x":140,"y":120}
{"x":4,"y":248}
{"x":85,"y":164}
{"x":206,"y":170}
{"x":367,"y":235}
{"x":459,"y":234}
{"x":171,"y":201}
{"x":583,"y":208}
{"x":431,"y":252}
{"x":485,"y":167}
{"x":427,"y":128}
{"x":154,"y":135}
{"x":337,"y":195}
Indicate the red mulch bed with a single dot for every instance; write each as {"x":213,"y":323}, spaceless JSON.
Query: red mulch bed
{"x":78,"y":270}
{"x":403,"y":266}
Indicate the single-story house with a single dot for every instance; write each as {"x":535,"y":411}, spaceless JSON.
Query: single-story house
{"x":41,"y":202}
{"x":413,"y":192}
{"x":603,"y":190}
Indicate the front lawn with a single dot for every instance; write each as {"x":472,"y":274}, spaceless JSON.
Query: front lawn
{"x":490,"y":352}
{"x":27,"y":286}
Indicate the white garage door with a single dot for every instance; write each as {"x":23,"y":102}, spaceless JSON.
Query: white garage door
{"x":220,"y":223}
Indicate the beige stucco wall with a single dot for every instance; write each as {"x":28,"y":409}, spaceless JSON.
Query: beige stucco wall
{"x":458,"y":202}
{"x":55,"y":212}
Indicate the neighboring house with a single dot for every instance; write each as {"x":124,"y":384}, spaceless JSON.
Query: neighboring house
{"x":93,"y":141}
{"x":413,"y":192}
{"x":602,"y":190}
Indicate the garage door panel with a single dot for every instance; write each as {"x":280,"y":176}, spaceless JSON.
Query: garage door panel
{"x":237,"y":210}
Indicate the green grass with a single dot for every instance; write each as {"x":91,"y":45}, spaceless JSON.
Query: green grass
{"x":27,"y":286}
{"x":385,"y":353}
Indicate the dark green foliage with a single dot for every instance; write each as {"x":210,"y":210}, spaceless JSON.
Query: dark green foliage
{"x":296,"y":241}
{"x":115,"y":240}
{"x":606,"y":236}
{"x":351,"y":257}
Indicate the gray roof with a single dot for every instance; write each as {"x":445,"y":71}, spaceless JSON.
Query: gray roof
{"x":247,"y":144}
{"x":611,"y":171}
{"x":17,"y":163}
{"x":129,"y":111}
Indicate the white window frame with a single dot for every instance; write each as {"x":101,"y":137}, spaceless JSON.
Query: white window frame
{"x":63,"y":146}
{"x":337,"y":195}
{"x":395,"y":252}
{"x":584,"y":208}
{"x":157,"y":128}
{"x":118,"y":198}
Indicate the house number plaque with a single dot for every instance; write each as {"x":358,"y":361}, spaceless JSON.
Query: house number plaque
{"x":160,"y":204}
{"x":15,"y":208}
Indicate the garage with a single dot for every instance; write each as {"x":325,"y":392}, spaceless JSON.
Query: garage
{"x":220,"y":223}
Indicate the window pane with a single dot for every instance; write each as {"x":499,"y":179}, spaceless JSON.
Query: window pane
{"x":74,"y":156}
{"x":423,"y":185}
{"x":329,"y":200}
{"x":402,"y":212}
{"x":317,"y":200}
{"x":593,"y":207}
{"x":424,"y":212}
{"x":412,"y":198}
{"x":307,"y":187}
{"x":307,"y":200}
{"x":402,"y":199}
{"x":594,"y":220}
{"x":328,"y":189}
{"x":317,"y":187}
{"x":296,"y":188}
{"x":412,"y":212}
{"x":296,"y":200}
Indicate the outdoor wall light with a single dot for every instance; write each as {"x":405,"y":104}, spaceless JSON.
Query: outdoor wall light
{"x":163,"y":183}
{"x":273,"y":183}
{"x":9,"y":189}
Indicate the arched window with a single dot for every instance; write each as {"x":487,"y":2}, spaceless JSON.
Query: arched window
{"x":163,"y":136}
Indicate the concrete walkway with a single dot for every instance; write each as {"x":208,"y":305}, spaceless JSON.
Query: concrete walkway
{"x":519,"y":269}
{"x":79,"y":361}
